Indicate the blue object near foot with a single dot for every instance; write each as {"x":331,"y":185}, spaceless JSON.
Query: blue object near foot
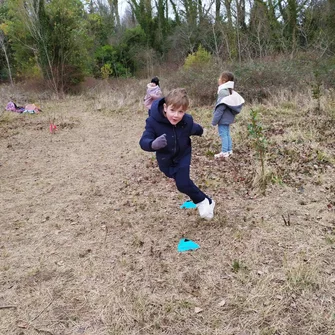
{"x":188,"y":204}
{"x":186,"y":244}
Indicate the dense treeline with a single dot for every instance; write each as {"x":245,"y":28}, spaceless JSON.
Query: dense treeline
{"x":65,"y":40}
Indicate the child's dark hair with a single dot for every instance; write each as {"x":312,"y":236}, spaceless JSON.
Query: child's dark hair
{"x":155,"y":80}
{"x":226,"y":76}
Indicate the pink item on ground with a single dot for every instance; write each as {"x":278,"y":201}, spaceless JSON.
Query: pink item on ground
{"x":52,"y":128}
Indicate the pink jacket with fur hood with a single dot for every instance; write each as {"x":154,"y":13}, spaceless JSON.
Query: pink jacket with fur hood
{"x":153,"y":93}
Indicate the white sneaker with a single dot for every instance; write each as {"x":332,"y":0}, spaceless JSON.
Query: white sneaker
{"x":211,"y":210}
{"x":230,"y":152}
{"x":221,"y":155}
{"x":206,"y":210}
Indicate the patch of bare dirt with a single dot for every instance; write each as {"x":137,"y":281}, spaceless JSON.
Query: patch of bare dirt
{"x":90,"y":228}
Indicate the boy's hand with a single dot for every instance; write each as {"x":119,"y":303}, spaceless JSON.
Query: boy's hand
{"x":159,"y":143}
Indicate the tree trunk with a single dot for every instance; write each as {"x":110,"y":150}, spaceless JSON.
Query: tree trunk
{"x":2,"y":43}
{"x":217,"y":11}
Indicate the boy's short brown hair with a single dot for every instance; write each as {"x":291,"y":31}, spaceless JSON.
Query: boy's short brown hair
{"x":178,"y":98}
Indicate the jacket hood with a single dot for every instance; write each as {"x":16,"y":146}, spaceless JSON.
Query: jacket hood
{"x":152,"y":87}
{"x":234,"y":101}
{"x":156,"y":111}
{"x":226,"y":85}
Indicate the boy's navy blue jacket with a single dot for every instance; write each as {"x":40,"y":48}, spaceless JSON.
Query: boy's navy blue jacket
{"x":178,"y":136}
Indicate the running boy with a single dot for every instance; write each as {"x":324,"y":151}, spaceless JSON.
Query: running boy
{"x":229,"y":103}
{"x":167,"y":131}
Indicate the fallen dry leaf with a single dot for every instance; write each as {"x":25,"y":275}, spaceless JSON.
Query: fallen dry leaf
{"x":198,"y":310}
{"x":222,"y":303}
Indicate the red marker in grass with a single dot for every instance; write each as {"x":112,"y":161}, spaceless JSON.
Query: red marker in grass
{"x":52,"y":128}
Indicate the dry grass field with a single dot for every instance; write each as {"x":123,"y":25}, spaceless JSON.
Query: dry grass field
{"x":90,"y":227}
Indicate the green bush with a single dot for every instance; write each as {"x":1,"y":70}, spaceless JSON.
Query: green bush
{"x":256,"y":81}
{"x":197,"y":59}
{"x":199,"y":81}
{"x":109,"y":62}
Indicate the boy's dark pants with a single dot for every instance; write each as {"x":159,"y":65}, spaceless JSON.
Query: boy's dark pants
{"x":181,"y":174}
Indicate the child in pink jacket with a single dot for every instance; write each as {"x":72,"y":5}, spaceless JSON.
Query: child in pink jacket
{"x":153,"y":93}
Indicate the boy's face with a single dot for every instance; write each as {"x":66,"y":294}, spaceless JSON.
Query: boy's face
{"x":174,"y":114}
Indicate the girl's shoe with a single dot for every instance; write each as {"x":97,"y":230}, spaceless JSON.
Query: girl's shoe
{"x":230,"y":152}
{"x":222,"y":155}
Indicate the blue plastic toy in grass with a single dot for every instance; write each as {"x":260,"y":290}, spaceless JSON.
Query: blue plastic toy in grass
{"x":188,"y":204}
{"x":186,"y":245}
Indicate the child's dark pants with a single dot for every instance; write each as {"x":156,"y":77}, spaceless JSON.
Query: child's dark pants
{"x":181,"y":174}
